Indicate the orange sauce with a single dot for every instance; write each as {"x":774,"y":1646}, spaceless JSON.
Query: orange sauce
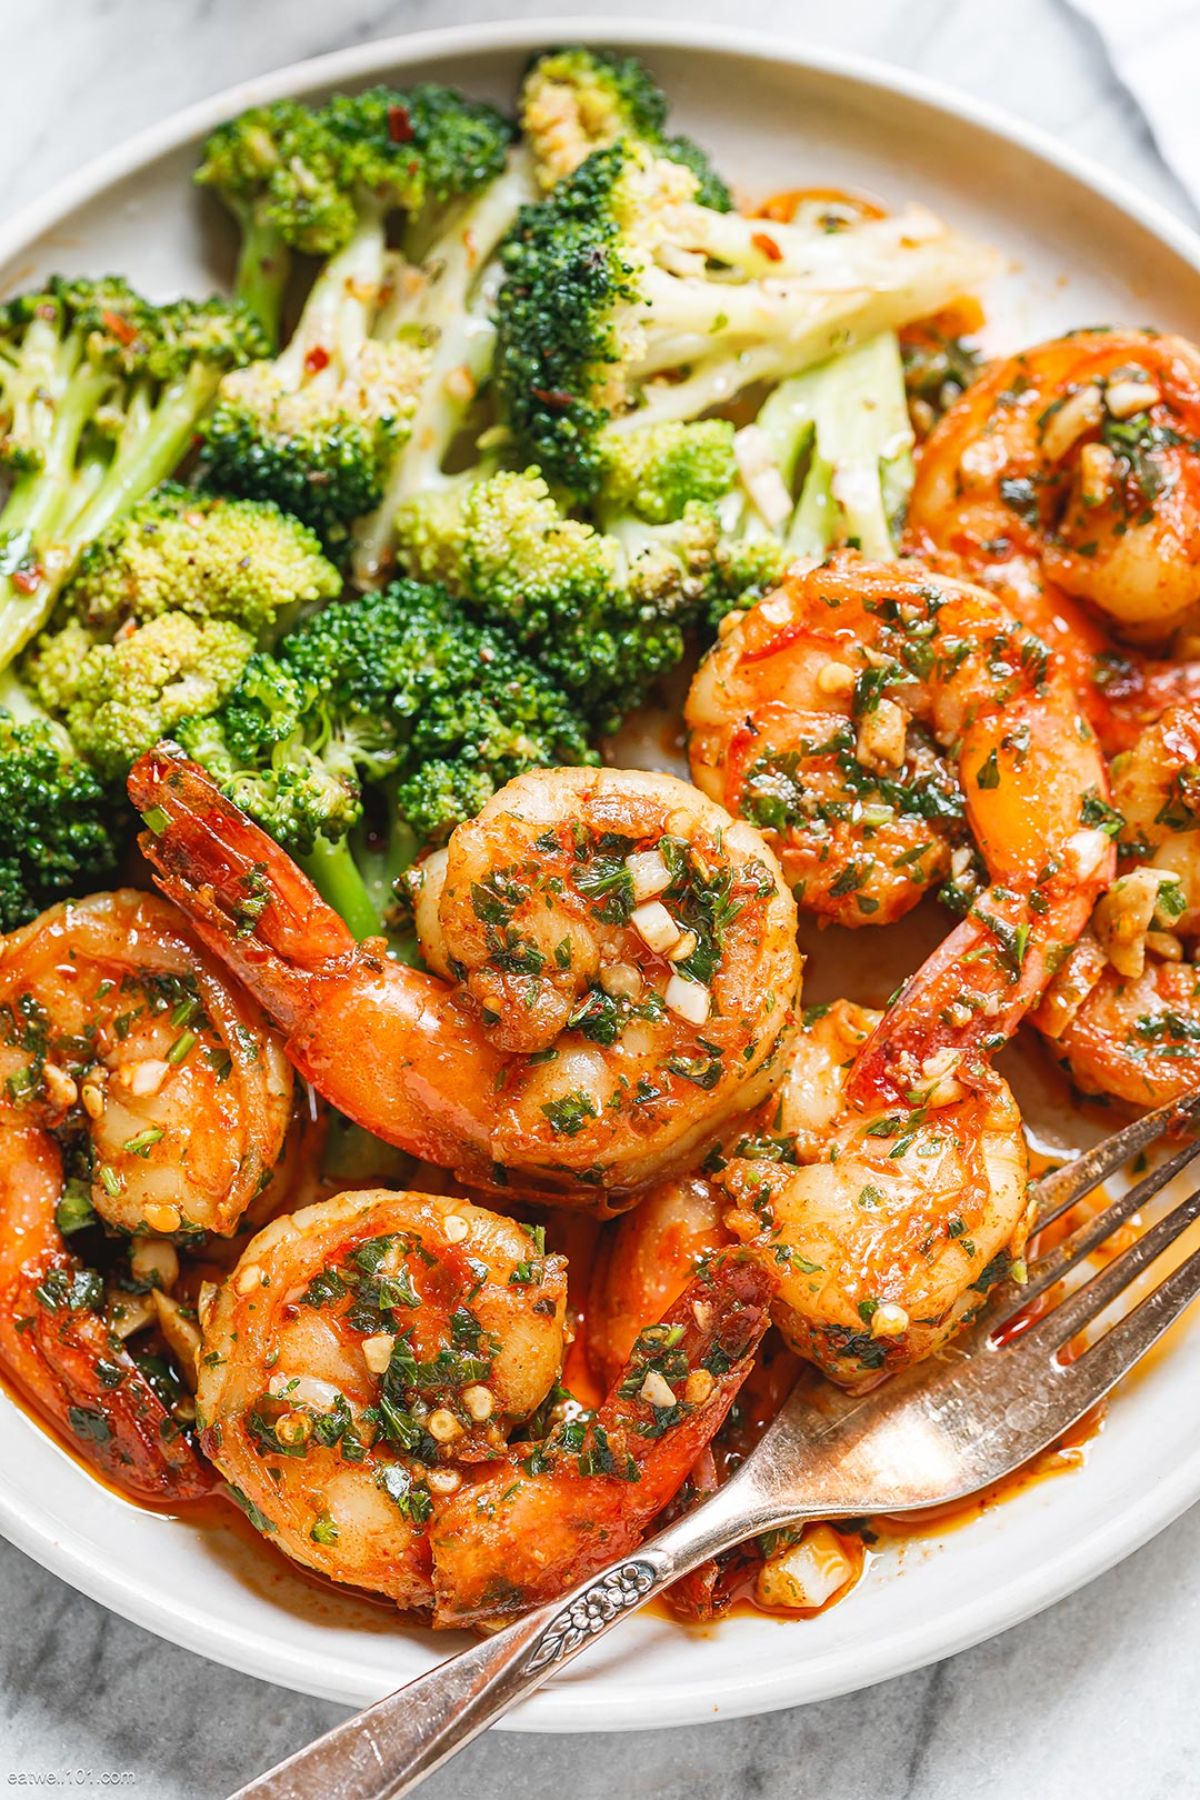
{"x":783,"y":207}
{"x":1063,"y":1458}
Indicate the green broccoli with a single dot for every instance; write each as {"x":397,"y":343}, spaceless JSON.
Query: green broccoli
{"x":656,"y":472}
{"x":164,"y":613}
{"x":575,"y":101}
{"x":628,"y":302}
{"x":100,"y":397}
{"x":117,"y":699}
{"x":58,"y":827}
{"x":279,"y":172}
{"x":205,"y":555}
{"x":396,"y":692}
{"x":317,"y":429}
{"x":444,"y":300}
{"x":605,"y":619}
{"x":829,"y":457}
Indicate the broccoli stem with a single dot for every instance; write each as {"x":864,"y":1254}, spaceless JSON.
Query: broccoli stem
{"x":862,"y":429}
{"x":358,"y":880}
{"x":264,"y":264}
{"x":851,"y":417}
{"x":40,"y":498}
{"x":19,"y":704}
{"x":456,"y":303}
{"x":156,"y":450}
{"x":151,"y":446}
{"x":340,"y":307}
{"x":815,"y":520}
{"x":338,"y":879}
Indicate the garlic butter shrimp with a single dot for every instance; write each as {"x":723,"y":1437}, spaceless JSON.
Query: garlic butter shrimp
{"x":1069,"y":474}
{"x":140,"y":1086}
{"x":118,"y":1030}
{"x":1123,"y":1014}
{"x":552,"y":1513}
{"x":1081,"y":452}
{"x":802,"y":719}
{"x":884,"y":1228}
{"x":623,"y":959}
{"x":363,"y":1353}
{"x":61,"y":1342}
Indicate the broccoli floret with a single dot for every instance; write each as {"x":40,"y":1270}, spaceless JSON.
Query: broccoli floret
{"x":657,"y":471}
{"x":743,"y":571}
{"x":315,"y":434}
{"x":58,"y":827}
{"x":201,"y":554}
{"x":280,"y":174}
{"x":605,"y":618}
{"x":628,"y":302}
{"x":117,"y":699}
{"x":575,"y":101}
{"x":398,"y":688}
{"x":100,"y":397}
{"x":317,"y":429}
{"x":422,"y":147}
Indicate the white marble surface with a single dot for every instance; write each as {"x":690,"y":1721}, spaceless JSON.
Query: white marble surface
{"x":1096,"y":1696}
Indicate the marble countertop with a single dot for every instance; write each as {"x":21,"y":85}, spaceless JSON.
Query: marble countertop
{"x":1096,"y":1696}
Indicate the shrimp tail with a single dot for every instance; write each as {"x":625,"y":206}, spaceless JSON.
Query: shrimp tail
{"x":553,"y":1513}
{"x":248,"y":901}
{"x":123,"y":1430}
{"x":973,"y":992}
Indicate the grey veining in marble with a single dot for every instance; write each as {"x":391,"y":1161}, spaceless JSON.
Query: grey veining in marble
{"x":1095,"y":1697}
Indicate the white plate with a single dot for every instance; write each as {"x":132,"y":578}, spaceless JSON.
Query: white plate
{"x":1084,"y":250}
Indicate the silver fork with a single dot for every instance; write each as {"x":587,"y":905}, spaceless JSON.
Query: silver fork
{"x":936,"y":1432}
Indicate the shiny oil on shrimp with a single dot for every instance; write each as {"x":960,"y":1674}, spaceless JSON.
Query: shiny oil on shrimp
{"x":367,"y":1362}
{"x":886,"y":1226}
{"x":1123,"y":1013}
{"x":814,"y":716}
{"x":140,"y":1090}
{"x":1068,"y":478}
{"x":883,"y":1228}
{"x":361,"y":1352}
{"x":618,"y":965}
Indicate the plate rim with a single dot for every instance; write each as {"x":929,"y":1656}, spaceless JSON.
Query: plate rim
{"x":578,"y":1707}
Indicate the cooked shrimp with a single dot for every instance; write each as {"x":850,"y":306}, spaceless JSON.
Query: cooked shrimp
{"x":1082,"y":452}
{"x":624,"y":959}
{"x":119,"y":1031}
{"x":1070,"y":473}
{"x":60,"y":1342}
{"x":1123,"y":1014}
{"x":137,"y":1083}
{"x":884,"y":1228}
{"x":804,"y":719}
{"x":362,"y":1352}
{"x":553,"y":1513}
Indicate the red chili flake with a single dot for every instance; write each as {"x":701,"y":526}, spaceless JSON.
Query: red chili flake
{"x":399,"y":125}
{"x":558,"y":398}
{"x":122,"y":329}
{"x":27,"y":581}
{"x":316,"y":360}
{"x":767,"y":246}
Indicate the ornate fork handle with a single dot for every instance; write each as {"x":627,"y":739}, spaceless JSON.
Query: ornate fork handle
{"x":389,"y":1749}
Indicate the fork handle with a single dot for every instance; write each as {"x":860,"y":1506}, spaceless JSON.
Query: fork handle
{"x":388,"y":1749}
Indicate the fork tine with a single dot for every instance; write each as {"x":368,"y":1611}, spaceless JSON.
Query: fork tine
{"x":1060,"y":1325}
{"x":1054,"y":1193}
{"x":1102,"y":1365}
{"x":1056,"y":1263}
